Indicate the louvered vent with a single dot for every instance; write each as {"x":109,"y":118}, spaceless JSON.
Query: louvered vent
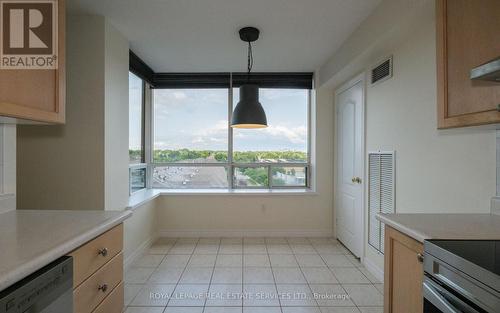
{"x":381,"y":194}
{"x":382,"y":71}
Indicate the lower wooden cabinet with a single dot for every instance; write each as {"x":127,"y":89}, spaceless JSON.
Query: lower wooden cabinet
{"x":403,"y":273}
{"x":98,"y":274}
{"x":97,"y":287}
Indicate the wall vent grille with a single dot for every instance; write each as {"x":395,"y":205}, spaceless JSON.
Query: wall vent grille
{"x":382,"y":71}
{"x":381,"y":194}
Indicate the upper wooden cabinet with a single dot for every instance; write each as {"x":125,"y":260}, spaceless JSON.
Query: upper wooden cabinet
{"x":467,"y":36}
{"x":34,"y":94}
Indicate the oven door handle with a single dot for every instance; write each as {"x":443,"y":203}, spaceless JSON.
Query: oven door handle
{"x":435,"y":297}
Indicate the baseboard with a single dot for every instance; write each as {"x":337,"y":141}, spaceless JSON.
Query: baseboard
{"x":138,"y":252}
{"x":245,"y":233}
{"x":374,"y":269}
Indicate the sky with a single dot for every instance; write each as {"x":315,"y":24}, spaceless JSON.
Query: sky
{"x":197,"y":119}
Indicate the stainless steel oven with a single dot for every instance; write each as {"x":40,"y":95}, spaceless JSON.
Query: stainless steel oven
{"x":439,"y":298}
{"x":48,"y":290}
{"x":457,"y":281}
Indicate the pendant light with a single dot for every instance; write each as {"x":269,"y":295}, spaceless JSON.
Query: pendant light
{"x":249,"y":112}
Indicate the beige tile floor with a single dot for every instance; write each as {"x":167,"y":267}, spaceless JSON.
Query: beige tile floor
{"x":250,"y":275}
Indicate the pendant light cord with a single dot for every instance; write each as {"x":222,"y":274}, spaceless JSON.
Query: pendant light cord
{"x":250,"y":60}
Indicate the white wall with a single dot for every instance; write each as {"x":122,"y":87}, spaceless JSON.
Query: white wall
{"x":139,"y":231}
{"x":436,"y":171}
{"x":62,"y":166}
{"x":256,"y":214}
{"x":82,"y":165}
{"x":7,"y":167}
{"x":116,"y":119}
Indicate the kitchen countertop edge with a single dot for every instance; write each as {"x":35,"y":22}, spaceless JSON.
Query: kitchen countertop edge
{"x":418,"y":236}
{"x":24,"y":270}
{"x":444,"y":226}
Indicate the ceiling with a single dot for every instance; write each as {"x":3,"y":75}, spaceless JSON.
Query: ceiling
{"x":202,"y":35}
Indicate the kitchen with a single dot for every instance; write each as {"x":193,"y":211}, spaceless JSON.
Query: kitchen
{"x":79,"y":197}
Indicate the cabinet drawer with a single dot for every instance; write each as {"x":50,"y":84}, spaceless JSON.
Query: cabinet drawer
{"x":92,"y":291}
{"x":91,"y":256}
{"x":113,"y":303}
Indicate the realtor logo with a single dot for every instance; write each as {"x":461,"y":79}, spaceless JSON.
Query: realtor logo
{"x":28,"y":31}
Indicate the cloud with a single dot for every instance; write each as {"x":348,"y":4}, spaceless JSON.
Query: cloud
{"x":217,"y":134}
{"x":296,"y":135}
{"x":179,"y":95}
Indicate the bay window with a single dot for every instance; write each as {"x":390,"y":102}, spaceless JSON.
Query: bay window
{"x":137,"y":167}
{"x":187,"y":142}
{"x":194,"y":147}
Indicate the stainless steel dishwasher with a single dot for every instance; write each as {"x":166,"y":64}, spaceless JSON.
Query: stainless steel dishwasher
{"x":48,"y":290}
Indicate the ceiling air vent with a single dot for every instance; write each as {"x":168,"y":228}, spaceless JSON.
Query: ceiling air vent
{"x":381,"y":71}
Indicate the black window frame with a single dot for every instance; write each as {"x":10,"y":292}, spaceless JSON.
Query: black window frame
{"x":152,"y":80}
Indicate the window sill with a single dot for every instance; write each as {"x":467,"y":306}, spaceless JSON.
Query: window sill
{"x":141,"y":197}
{"x":260,"y":192}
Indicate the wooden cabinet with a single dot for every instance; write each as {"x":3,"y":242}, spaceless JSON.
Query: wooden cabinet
{"x":38,"y":95}
{"x":113,"y":303}
{"x":403,"y":273}
{"x":98,"y":273}
{"x":94,"y":254}
{"x":98,"y":286}
{"x":467,"y":36}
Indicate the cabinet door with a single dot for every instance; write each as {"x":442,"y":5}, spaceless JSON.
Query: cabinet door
{"x":403,"y":273}
{"x":36,"y":94}
{"x":467,"y":36}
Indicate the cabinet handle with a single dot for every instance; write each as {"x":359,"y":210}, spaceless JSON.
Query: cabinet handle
{"x":103,"y":287}
{"x":103,"y":252}
{"x":420,"y":257}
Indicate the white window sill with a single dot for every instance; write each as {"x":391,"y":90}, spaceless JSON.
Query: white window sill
{"x":141,"y":197}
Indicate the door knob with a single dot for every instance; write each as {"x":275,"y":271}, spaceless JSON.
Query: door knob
{"x":356,"y":180}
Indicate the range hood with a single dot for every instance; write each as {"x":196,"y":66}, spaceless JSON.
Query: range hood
{"x":488,"y":71}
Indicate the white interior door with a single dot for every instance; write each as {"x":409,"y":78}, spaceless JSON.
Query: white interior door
{"x":350,"y":166}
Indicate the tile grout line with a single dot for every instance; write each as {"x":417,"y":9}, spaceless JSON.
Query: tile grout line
{"x":302,"y":272}
{"x":164,"y":257}
{"x":339,"y":283}
{"x":213,"y":271}
{"x":274,"y":277}
{"x":183,"y":271}
{"x":149,"y":277}
{"x":242,"y":271}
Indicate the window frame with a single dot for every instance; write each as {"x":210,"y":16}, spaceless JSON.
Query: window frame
{"x":229,"y":165}
{"x":133,"y":167}
{"x":144,"y":162}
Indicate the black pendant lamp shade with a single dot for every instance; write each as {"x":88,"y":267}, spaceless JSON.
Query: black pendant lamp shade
{"x":249,"y":112}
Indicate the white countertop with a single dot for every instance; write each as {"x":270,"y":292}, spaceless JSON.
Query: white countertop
{"x":31,"y":239}
{"x":445,"y":226}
